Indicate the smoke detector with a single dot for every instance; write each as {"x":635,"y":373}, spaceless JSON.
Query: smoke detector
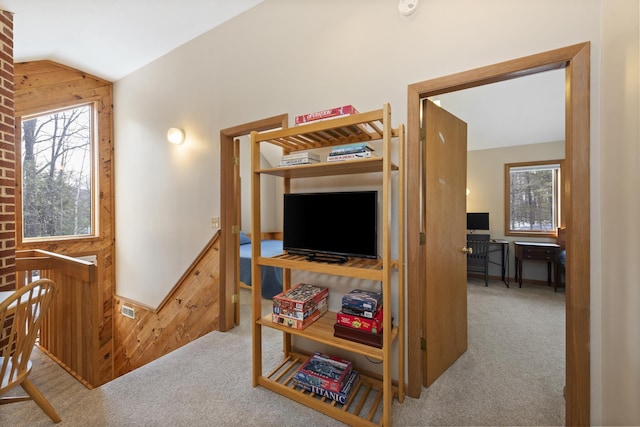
{"x":407,"y":7}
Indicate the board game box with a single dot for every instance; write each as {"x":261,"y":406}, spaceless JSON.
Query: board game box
{"x":362,"y":300}
{"x":361,"y":313}
{"x":302,"y":297}
{"x":325,"y":371}
{"x":341,"y":396}
{"x":357,"y":335}
{"x":373,"y":325}
{"x":296,"y":314}
{"x":331,"y":113}
{"x":292,"y":322}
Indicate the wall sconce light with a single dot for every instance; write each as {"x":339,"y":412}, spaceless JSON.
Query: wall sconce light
{"x":175,"y":136}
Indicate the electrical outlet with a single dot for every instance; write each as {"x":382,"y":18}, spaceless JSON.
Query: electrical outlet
{"x":215,"y":222}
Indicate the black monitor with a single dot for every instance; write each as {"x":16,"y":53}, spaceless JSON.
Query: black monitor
{"x":477,"y":221}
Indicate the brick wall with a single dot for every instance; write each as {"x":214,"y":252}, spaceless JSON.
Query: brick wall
{"x":7,"y":156}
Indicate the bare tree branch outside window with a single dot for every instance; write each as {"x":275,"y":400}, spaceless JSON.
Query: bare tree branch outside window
{"x":57,"y":170}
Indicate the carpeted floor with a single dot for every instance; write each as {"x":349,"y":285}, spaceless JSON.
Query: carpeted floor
{"x":512,"y":374}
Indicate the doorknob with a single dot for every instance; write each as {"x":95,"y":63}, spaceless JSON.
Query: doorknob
{"x":466,"y":250}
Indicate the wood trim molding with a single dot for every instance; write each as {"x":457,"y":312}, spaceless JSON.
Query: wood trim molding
{"x":42,"y":86}
{"x":575,"y":60}
{"x":228,"y":212}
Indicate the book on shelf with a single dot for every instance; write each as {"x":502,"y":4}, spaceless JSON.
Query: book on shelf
{"x":301,"y":297}
{"x":356,"y":147}
{"x":341,"y":396}
{"x":350,"y":156}
{"x":325,"y":371}
{"x":294,"y":323}
{"x":331,"y":113}
{"x":301,"y":155}
{"x":293,"y":162}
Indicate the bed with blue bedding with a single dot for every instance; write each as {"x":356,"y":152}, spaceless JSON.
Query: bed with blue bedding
{"x":271,"y":276}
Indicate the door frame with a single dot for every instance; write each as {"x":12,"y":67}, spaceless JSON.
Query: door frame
{"x":575,"y":60}
{"x":228,"y":240}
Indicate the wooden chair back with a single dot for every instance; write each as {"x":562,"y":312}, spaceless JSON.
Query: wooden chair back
{"x":561,"y":238}
{"x":21,"y":316}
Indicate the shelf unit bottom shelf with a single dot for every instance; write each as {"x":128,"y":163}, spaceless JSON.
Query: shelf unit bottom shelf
{"x":364,"y":407}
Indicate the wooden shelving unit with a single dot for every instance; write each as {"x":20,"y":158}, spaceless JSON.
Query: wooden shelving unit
{"x":372,"y":398}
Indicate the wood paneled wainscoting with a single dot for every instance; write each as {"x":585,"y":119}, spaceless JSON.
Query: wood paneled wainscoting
{"x":70,"y":332}
{"x":191,"y":310}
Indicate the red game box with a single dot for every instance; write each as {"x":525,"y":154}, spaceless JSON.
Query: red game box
{"x":345,"y":110}
{"x":357,"y":322}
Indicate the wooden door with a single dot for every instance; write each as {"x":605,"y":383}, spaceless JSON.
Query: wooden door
{"x":443,"y":222}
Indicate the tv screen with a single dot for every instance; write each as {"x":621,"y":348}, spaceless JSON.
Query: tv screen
{"x":477,"y":220}
{"x":335,"y":223}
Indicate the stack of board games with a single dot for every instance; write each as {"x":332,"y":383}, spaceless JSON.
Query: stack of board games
{"x":357,"y":150}
{"x":327,"y":376}
{"x":360,"y":319}
{"x":299,"y":158}
{"x":300,"y":306}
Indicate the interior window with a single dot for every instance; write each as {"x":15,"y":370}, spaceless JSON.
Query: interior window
{"x":58,"y":184}
{"x":532,"y":191}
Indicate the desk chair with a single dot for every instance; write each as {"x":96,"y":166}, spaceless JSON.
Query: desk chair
{"x":478,"y":259}
{"x":20,"y":319}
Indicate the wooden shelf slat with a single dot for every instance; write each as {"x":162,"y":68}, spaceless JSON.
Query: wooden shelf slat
{"x":358,"y":267}
{"x":322,"y":331}
{"x":346,"y":167}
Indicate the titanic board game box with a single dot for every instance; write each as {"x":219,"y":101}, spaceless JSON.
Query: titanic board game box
{"x":325,"y":371}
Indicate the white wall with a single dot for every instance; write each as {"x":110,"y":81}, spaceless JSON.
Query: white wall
{"x":619,"y":207}
{"x":327,"y":54}
{"x":287,"y":56}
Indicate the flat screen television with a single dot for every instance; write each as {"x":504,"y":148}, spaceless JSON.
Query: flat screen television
{"x":331,"y":226}
{"x":477,"y":220}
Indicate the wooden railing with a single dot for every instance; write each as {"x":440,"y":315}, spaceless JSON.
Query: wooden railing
{"x":70,"y":331}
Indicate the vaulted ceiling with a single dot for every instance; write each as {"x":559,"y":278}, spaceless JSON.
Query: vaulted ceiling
{"x":112,"y":38}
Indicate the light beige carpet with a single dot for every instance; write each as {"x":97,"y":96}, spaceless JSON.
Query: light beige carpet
{"x":512,"y":374}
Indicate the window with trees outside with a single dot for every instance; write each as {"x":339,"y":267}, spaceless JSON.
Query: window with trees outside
{"x":532,"y":192}
{"x":58,"y":177}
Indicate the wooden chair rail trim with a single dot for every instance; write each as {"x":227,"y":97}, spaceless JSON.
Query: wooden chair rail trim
{"x":182,"y":279}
